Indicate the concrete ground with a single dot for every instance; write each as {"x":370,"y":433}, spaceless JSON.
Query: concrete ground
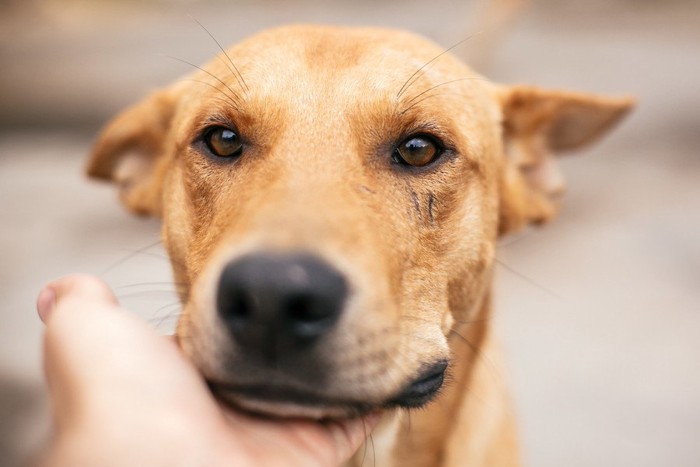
{"x":599,"y":312}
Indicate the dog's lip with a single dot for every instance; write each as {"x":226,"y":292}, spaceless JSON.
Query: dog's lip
{"x":424,"y":388}
{"x":416,"y":394}
{"x":272,"y":395}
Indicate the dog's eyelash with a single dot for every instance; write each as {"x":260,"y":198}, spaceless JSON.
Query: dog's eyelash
{"x":218,"y":119}
{"x":432,"y":130}
{"x":213,"y":121}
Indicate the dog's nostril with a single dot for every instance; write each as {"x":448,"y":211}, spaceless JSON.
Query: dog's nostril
{"x":307,"y":316}
{"x":241,"y":307}
{"x":300,"y":308}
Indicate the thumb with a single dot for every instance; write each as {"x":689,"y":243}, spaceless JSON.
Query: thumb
{"x":84,"y":288}
{"x":79,"y":313}
{"x":101,"y":359}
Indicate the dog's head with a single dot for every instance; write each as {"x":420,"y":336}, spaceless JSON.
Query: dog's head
{"x":331,"y":199}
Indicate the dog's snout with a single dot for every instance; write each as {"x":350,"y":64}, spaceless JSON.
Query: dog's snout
{"x":274,"y":303}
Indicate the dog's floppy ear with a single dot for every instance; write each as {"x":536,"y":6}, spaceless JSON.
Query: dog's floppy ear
{"x":129,"y":148}
{"x":538,"y":125}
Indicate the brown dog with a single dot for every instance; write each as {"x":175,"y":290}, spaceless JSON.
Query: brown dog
{"x":331,"y":199}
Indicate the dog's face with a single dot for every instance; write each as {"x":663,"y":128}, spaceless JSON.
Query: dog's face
{"x":331,"y":200}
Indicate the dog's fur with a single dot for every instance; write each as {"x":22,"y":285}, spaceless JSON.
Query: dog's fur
{"x":321,"y":111}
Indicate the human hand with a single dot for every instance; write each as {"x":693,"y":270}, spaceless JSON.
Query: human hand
{"x":122,"y":395}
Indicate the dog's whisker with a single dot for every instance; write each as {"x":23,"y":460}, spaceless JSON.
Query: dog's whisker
{"x":161,"y":256}
{"x":364,"y":450}
{"x":420,"y":71}
{"x":467,"y":389}
{"x":128,"y":257}
{"x":480,"y":354}
{"x":368,"y":440}
{"x":169,"y":312}
{"x":531,"y":281}
{"x":229,"y":98}
{"x":237,"y":97}
{"x":234,"y":71}
{"x":153,"y":255}
{"x":437,"y":94}
{"x":146,"y":294}
{"x":472,"y":321}
{"x":222,"y":100}
{"x":515,"y":238}
{"x":162,"y":320}
{"x":454,"y":332}
{"x":174,"y":314}
{"x":152,"y":284}
{"x":472,"y":78}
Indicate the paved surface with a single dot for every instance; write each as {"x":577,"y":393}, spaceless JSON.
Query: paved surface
{"x":599,"y":312}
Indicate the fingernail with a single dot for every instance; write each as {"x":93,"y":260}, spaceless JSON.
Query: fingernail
{"x":45,"y":303}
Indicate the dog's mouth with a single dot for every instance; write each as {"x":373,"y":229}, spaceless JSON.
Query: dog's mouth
{"x":423,"y":389}
{"x":288,"y":401}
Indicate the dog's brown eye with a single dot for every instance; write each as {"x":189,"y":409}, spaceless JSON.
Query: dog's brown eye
{"x":417,"y":151}
{"x":223,"y":142}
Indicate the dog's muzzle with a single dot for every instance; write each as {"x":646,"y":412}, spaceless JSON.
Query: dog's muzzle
{"x":283,"y":314}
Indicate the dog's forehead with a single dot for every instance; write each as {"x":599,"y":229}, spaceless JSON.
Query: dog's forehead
{"x":360,"y":61}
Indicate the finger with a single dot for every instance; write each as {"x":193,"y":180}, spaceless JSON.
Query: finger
{"x":98,"y":356}
{"x":88,"y":289}
{"x":348,"y":435}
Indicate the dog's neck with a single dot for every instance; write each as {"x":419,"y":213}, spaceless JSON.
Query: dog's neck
{"x":472,"y":427}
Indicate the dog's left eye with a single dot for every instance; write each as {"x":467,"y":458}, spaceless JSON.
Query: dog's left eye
{"x":223,"y":142}
{"x":417,"y":151}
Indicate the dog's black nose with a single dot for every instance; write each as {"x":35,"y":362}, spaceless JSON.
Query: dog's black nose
{"x":274,"y":303}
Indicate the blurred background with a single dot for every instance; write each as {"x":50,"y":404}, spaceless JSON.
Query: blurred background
{"x":599,"y":312}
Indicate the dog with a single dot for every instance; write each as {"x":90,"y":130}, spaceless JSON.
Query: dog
{"x":331,"y":199}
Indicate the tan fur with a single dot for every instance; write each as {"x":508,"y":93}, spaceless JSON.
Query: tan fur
{"x":320,"y":113}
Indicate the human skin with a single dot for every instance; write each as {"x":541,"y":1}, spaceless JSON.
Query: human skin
{"x":123,"y":395}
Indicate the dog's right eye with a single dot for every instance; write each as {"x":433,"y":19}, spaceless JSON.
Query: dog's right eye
{"x":223,"y":142}
{"x":417,"y":151}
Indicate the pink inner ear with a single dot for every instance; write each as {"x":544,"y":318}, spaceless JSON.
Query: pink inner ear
{"x":131,"y":169}
{"x":536,"y":162}
{"x":546,"y":177}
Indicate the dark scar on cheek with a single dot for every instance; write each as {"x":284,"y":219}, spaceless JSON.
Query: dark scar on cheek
{"x":416,"y":204}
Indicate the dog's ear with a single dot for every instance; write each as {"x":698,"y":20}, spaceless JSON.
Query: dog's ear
{"x":537,"y":126}
{"x":129,"y":148}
